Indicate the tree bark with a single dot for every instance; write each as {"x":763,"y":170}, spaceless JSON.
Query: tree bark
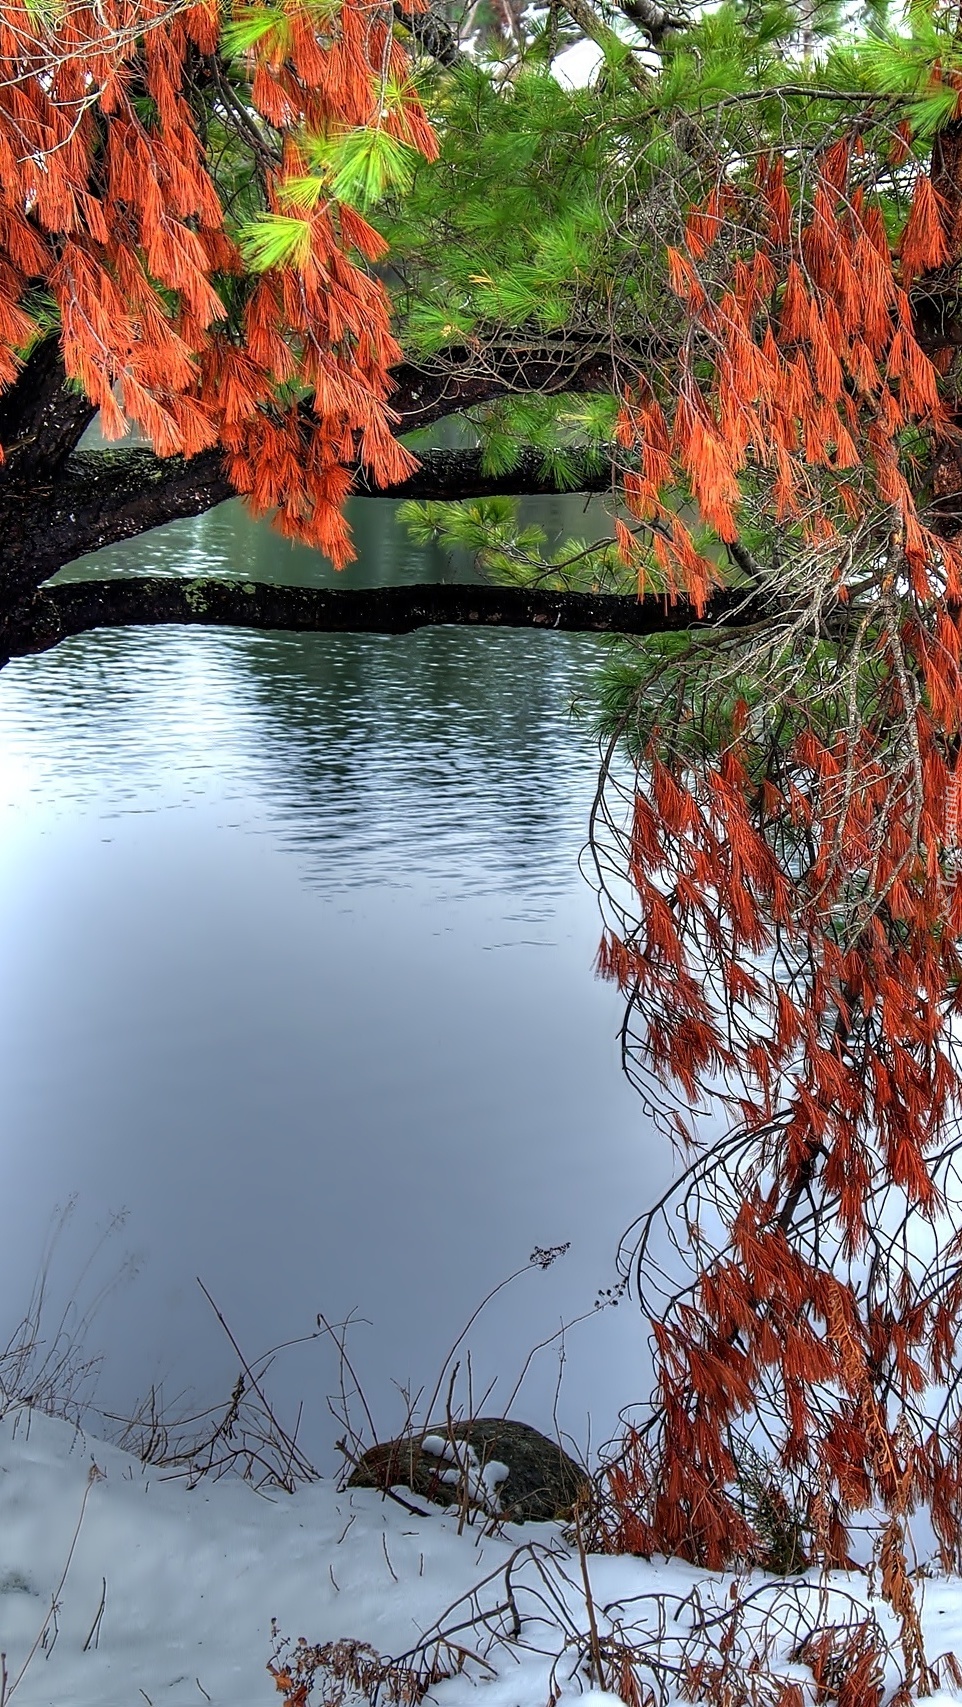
{"x":54,"y":613}
{"x":42,"y":419}
{"x":453,"y":474}
{"x":460,"y":376}
{"x":96,"y":500}
{"x":432,"y":32}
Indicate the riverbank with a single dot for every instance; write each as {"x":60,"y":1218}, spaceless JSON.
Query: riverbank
{"x":127,"y":1587}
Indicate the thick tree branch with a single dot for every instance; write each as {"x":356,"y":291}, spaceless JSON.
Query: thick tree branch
{"x":126,"y":478}
{"x":104,"y":497}
{"x":42,"y":419}
{"x":460,"y":377}
{"x":96,"y":500}
{"x":53,"y":511}
{"x":655,"y":20}
{"x":432,"y":32}
{"x":594,"y":27}
{"x":453,"y":474}
{"x":54,"y":613}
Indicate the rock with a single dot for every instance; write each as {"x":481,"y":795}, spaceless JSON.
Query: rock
{"x":542,"y":1482}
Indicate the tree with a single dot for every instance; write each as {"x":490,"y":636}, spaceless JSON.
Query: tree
{"x":186,"y":249}
{"x":721,"y":283}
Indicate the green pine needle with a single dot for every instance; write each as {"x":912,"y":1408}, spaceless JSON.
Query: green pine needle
{"x":275,"y":240}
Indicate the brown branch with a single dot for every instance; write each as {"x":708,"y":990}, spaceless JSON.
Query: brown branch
{"x":655,"y":20}
{"x":101,"y":498}
{"x":57,"y":612}
{"x":588,"y":22}
{"x":53,"y":511}
{"x":97,"y":499}
{"x":139,"y":477}
{"x":454,"y":474}
{"x":432,"y":32}
{"x":462,"y":377}
{"x":42,"y":419}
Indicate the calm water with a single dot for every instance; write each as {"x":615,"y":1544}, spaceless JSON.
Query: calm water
{"x":297,"y":971}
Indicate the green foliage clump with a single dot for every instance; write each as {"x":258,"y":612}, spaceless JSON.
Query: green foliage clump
{"x":513,"y":554}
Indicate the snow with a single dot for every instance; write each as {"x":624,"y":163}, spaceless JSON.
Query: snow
{"x":167,"y":1594}
{"x":437,"y":1447}
{"x":483,"y":1482}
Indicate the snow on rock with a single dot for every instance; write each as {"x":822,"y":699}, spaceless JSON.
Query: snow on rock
{"x":494,"y":1473}
{"x":435,"y":1447}
{"x":194,"y":1577}
{"x":479,"y":1485}
{"x":535,"y":1479}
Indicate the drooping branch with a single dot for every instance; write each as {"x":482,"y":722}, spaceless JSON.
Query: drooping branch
{"x":57,"y":612}
{"x":54,"y":510}
{"x":121,"y":478}
{"x":454,"y":474}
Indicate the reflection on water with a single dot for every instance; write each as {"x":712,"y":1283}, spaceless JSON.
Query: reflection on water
{"x":337,"y":736}
{"x":297,"y":968}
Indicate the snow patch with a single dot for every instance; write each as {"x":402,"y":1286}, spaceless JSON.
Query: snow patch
{"x":466,"y":1473}
{"x":435,"y":1447}
{"x":169,"y":1592}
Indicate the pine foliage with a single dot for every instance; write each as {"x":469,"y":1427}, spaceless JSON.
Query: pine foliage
{"x":787,"y":916}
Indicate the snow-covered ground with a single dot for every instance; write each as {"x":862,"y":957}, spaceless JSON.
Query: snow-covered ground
{"x":166,"y":1594}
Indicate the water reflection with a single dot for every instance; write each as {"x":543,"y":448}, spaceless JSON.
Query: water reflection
{"x":297,"y":968}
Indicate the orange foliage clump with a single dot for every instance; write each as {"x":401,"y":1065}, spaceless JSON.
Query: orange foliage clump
{"x":791,"y":944}
{"x":109,"y":205}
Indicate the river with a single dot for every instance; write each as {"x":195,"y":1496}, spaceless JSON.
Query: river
{"x":297,"y":979}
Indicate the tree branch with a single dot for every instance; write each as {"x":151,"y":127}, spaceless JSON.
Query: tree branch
{"x":590,"y":25}
{"x":54,"y":613}
{"x":42,"y":419}
{"x":432,"y":32}
{"x":655,"y":20}
{"x":460,"y":377}
{"x":97,"y":499}
{"x":129,"y":477}
{"x":53,"y":511}
{"x":453,"y":474}
{"x":55,"y":507}
{"x":103,"y":497}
